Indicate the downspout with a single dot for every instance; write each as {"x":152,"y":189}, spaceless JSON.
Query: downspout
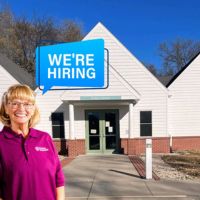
{"x":170,"y":134}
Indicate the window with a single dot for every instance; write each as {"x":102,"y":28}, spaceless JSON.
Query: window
{"x":57,"y":125}
{"x":145,"y":123}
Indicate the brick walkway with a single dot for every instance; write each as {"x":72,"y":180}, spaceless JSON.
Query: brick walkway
{"x":139,"y":165}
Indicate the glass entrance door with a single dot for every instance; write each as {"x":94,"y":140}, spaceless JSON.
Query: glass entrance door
{"x":102,"y":131}
{"x":110,"y":131}
{"x":94,"y":131}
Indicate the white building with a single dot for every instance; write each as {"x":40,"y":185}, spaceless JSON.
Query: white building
{"x":184,"y":109}
{"x":119,"y":118}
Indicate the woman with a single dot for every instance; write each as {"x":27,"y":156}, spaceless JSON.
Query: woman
{"x":29,"y":165}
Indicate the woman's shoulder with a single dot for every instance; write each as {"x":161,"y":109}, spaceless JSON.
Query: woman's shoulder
{"x":4,"y":130}
{"x":1,"y":133}
{"x":39,"y":133}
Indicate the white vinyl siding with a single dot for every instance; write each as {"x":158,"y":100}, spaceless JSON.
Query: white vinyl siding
{"x":129,"y":79}
{"x":184,"y":109}
{"x":48,"y":103}
{"x":6,"y":80}
{"x":153,"y":94}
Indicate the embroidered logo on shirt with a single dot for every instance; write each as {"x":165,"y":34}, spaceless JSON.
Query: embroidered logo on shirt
{"x":41,"y":149}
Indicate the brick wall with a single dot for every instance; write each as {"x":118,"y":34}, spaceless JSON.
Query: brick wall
{"x":136,"y":146}
{"x":61,"y":146}
{"x":76,"y":147}
{"x":71,"y":148}
{"x":186,"y":143}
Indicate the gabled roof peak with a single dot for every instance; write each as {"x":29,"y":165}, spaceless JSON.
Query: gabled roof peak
{"x":99,"y":25}
{"x":182,"y":69}
{"x":99,"y":31}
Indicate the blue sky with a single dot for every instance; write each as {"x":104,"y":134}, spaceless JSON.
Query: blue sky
{"x":141,"y":25}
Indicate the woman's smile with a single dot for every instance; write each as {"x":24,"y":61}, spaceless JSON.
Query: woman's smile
{"x":19,"y":111}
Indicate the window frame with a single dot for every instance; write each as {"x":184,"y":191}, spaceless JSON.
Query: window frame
{"x":61,"y":125}
{"x":146,"y":123}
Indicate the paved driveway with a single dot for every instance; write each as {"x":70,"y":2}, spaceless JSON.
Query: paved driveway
{"x":114,"y":177}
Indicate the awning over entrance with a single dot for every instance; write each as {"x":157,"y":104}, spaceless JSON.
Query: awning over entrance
{"x":93,"y":103}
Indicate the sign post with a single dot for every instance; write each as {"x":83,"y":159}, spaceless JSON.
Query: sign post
{"x":148,"y":159}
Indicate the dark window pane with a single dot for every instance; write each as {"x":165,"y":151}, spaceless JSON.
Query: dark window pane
{"x":57,"y":119}
{"x":145,"y":130}
{"x":58,"y":131}
{"x":110,"y":142}
{"x":93,"y":123}
{"x":145,"y":117}
{"x":110,"y":123}
{"x":94,"y":143}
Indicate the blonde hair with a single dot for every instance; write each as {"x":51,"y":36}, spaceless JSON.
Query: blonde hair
{"x":22,"y":92}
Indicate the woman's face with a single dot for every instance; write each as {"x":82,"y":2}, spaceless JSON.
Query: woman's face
{"x":19,"y":111}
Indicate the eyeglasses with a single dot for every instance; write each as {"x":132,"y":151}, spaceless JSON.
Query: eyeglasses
{"x":16,"y":104}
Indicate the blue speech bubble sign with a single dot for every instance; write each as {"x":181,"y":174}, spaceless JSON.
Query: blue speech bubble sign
{"x":72,"y":65}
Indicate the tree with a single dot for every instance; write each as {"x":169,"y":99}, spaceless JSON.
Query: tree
{"x":177,"y":54}
{"x":28,"y":35}
{"x":20,"y":36}
{"x":6,"y":34}
{"x":152,"y":69}
{"x":70,"y":31}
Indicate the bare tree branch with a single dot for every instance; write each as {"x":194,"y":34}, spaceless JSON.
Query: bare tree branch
{"x":19,"y":37}
{"x":177,"y":54}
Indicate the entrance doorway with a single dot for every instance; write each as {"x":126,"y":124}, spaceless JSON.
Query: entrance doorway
{"x":102,"y":131}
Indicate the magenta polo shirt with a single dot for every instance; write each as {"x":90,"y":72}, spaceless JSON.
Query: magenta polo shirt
{"x":29,"y":168}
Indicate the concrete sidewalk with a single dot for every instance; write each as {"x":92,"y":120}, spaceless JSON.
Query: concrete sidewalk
{"x":114,"y":177}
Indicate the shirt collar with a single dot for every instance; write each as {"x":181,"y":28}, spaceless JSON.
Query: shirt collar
{"x":9,"y":133}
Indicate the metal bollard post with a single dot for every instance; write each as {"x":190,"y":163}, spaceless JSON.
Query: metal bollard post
{"x":148,"y":159}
